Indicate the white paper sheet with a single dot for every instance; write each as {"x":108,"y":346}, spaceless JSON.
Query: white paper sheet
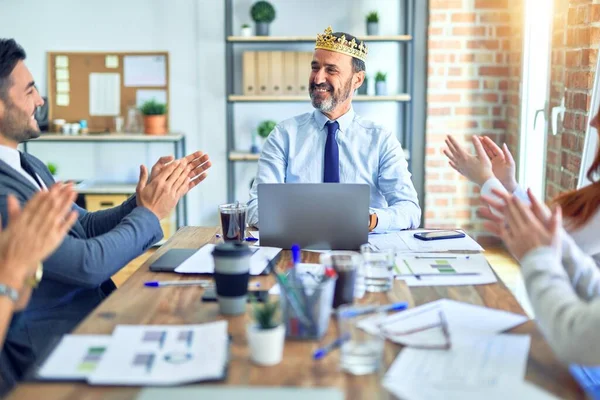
{"x":462,"y":319}
{"x":62,"y":74}
{"x":63,"y":87}
{"x":163,"y":354}
{"x":111,"y":61}
{"x":145,"y":71}
{"x":61,"y":61}
{"x":105,"y":94}
{"x":202,"y":261}
{"x":476,"y":365}
{"x":404,"y":241}
{"x":441,"y":269}
{"x":144,"y":95}
{"x":63,"y":99}
{"x":75,"y":357}
{"x":255,"y":234}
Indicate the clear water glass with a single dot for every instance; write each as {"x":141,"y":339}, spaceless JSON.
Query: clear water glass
{"x":361,"y":352}
{"x":378,"y":268}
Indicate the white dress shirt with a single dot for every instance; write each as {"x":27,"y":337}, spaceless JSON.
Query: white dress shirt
{"x":13,"y":158}
{"x":368,"y":153}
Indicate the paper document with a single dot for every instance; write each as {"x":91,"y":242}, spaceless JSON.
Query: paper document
{"x":255,"y":234}
{"x":461,"y":318}
{"x":443,"y":269}
{"x":224,"y":392}
{"x":202,"y":261}
{"x":105,"y":94}
{"x":164,"y":355}
{"x":474,"y":366}
{"x":144,"y":95}
{"x":75,"y":357}
{"x":145,"y":71}
{"x":404,"y":241}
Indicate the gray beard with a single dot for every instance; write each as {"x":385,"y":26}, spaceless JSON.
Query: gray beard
{"x":332,"y":102}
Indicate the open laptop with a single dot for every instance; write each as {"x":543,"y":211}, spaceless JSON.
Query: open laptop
{"x":318,"y":216}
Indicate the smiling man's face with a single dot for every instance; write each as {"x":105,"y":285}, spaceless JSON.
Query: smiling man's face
{"x":332,"y":80}
{"x":18,"y":105}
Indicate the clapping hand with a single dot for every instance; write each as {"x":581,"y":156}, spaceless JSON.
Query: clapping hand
{"x":476,"y":168}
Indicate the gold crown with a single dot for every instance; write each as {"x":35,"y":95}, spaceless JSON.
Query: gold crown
{"x":328,"y":41}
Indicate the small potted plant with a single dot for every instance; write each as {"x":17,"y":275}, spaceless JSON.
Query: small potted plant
{"x":262,"y":13}
{"x":380,"y":84}
{"x":265,"y":128}
{"x":373,"y":23}
{"x":155,"y":117}
{"x":266,"y":335}
{"x":246,"y":31}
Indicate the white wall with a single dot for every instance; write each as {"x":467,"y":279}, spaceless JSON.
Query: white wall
{"x":192,"y":31}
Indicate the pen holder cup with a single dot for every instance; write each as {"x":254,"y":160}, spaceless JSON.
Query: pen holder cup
{"x":315,"y":303}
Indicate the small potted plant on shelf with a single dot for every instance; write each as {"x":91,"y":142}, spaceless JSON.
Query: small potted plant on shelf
{"x":265,"y":128}
{"x":155,"y":117}
{"x":262,"y":13}
{"x":380,"y":84}
{"x":246,"y":31}
{"x":373,"y":23}
{"x":53,"y":168}
{"x":266,"y":335}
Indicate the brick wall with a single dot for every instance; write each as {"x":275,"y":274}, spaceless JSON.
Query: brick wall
{"x":575,"y":41}
{"x":473,"y":86}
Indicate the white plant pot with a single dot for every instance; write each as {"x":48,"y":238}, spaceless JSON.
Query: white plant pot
{"x":266,"y":345}
{"x":246,"y":32}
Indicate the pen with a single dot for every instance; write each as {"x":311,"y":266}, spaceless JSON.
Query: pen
{"x":428,"y":275}
{"x":202,"y":283}
{"x":356,"y":311}
{"x":440,"y":258}
{"x":323,"y":351}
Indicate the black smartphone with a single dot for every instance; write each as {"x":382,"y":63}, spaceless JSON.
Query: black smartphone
{"x":210,"y":294}
{"x":439,"y":235}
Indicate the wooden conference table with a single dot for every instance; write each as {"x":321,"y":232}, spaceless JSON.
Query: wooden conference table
{"x":135,"y":304}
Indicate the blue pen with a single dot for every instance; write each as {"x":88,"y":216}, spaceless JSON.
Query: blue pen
{"x":251,"y":239}
{"x":356,"y":311}
{"x":323,"y":351}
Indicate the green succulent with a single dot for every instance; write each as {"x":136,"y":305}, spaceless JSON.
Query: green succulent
{"x":262,"y":11}
{"x":380,"y":76}
{"x":152,"y":107}
{"x":265,"y":315}
{"x":373,"y":16}
{"x":265,"y":128}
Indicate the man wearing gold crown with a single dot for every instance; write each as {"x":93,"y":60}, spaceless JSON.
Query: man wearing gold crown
{"x":334,"y":144}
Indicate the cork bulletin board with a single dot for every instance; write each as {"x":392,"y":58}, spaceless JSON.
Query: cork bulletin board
{"x":98,"y":87}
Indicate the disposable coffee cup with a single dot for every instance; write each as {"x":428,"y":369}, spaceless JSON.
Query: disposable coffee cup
{"x":232,"y":272}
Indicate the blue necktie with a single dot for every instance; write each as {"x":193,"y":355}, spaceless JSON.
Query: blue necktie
{"x":331,"y":172}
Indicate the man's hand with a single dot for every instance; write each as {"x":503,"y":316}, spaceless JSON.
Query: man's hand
{"x":503,"y":164}
{"x":524,"y":232}
{"x":33,"y":233}
{"x":196,"y":163}
{"x":162,"y":193}
{"x":477,"y":169}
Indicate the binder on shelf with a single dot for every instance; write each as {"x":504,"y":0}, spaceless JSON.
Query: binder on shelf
{"x":249,"y":73}
{"x":290,"y":65}
{"x":276,"y":73}
{"x":303,"y":72}
{"x":263,"y":75}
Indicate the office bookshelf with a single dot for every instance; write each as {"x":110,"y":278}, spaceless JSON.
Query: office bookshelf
{"x":403,"y":100}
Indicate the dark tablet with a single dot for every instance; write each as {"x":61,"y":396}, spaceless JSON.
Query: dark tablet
{"x":171,"y":260}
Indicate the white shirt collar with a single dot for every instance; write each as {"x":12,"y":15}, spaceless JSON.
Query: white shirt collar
{"x":344,"y":121}
{"x":11,"y":156}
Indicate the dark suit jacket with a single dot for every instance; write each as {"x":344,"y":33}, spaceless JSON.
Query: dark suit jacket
{"x":77,"y":276}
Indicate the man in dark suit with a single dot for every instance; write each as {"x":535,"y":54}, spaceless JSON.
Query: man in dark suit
{"x":77,"y":275}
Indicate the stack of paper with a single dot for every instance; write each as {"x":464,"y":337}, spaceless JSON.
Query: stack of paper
{"x":477,"y":367}
{"x":142,"y":355}
{"x":461,"y":319}
{"x":441,"y":269}
{"x":404,"y":241}
{"x":202,"y":261}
